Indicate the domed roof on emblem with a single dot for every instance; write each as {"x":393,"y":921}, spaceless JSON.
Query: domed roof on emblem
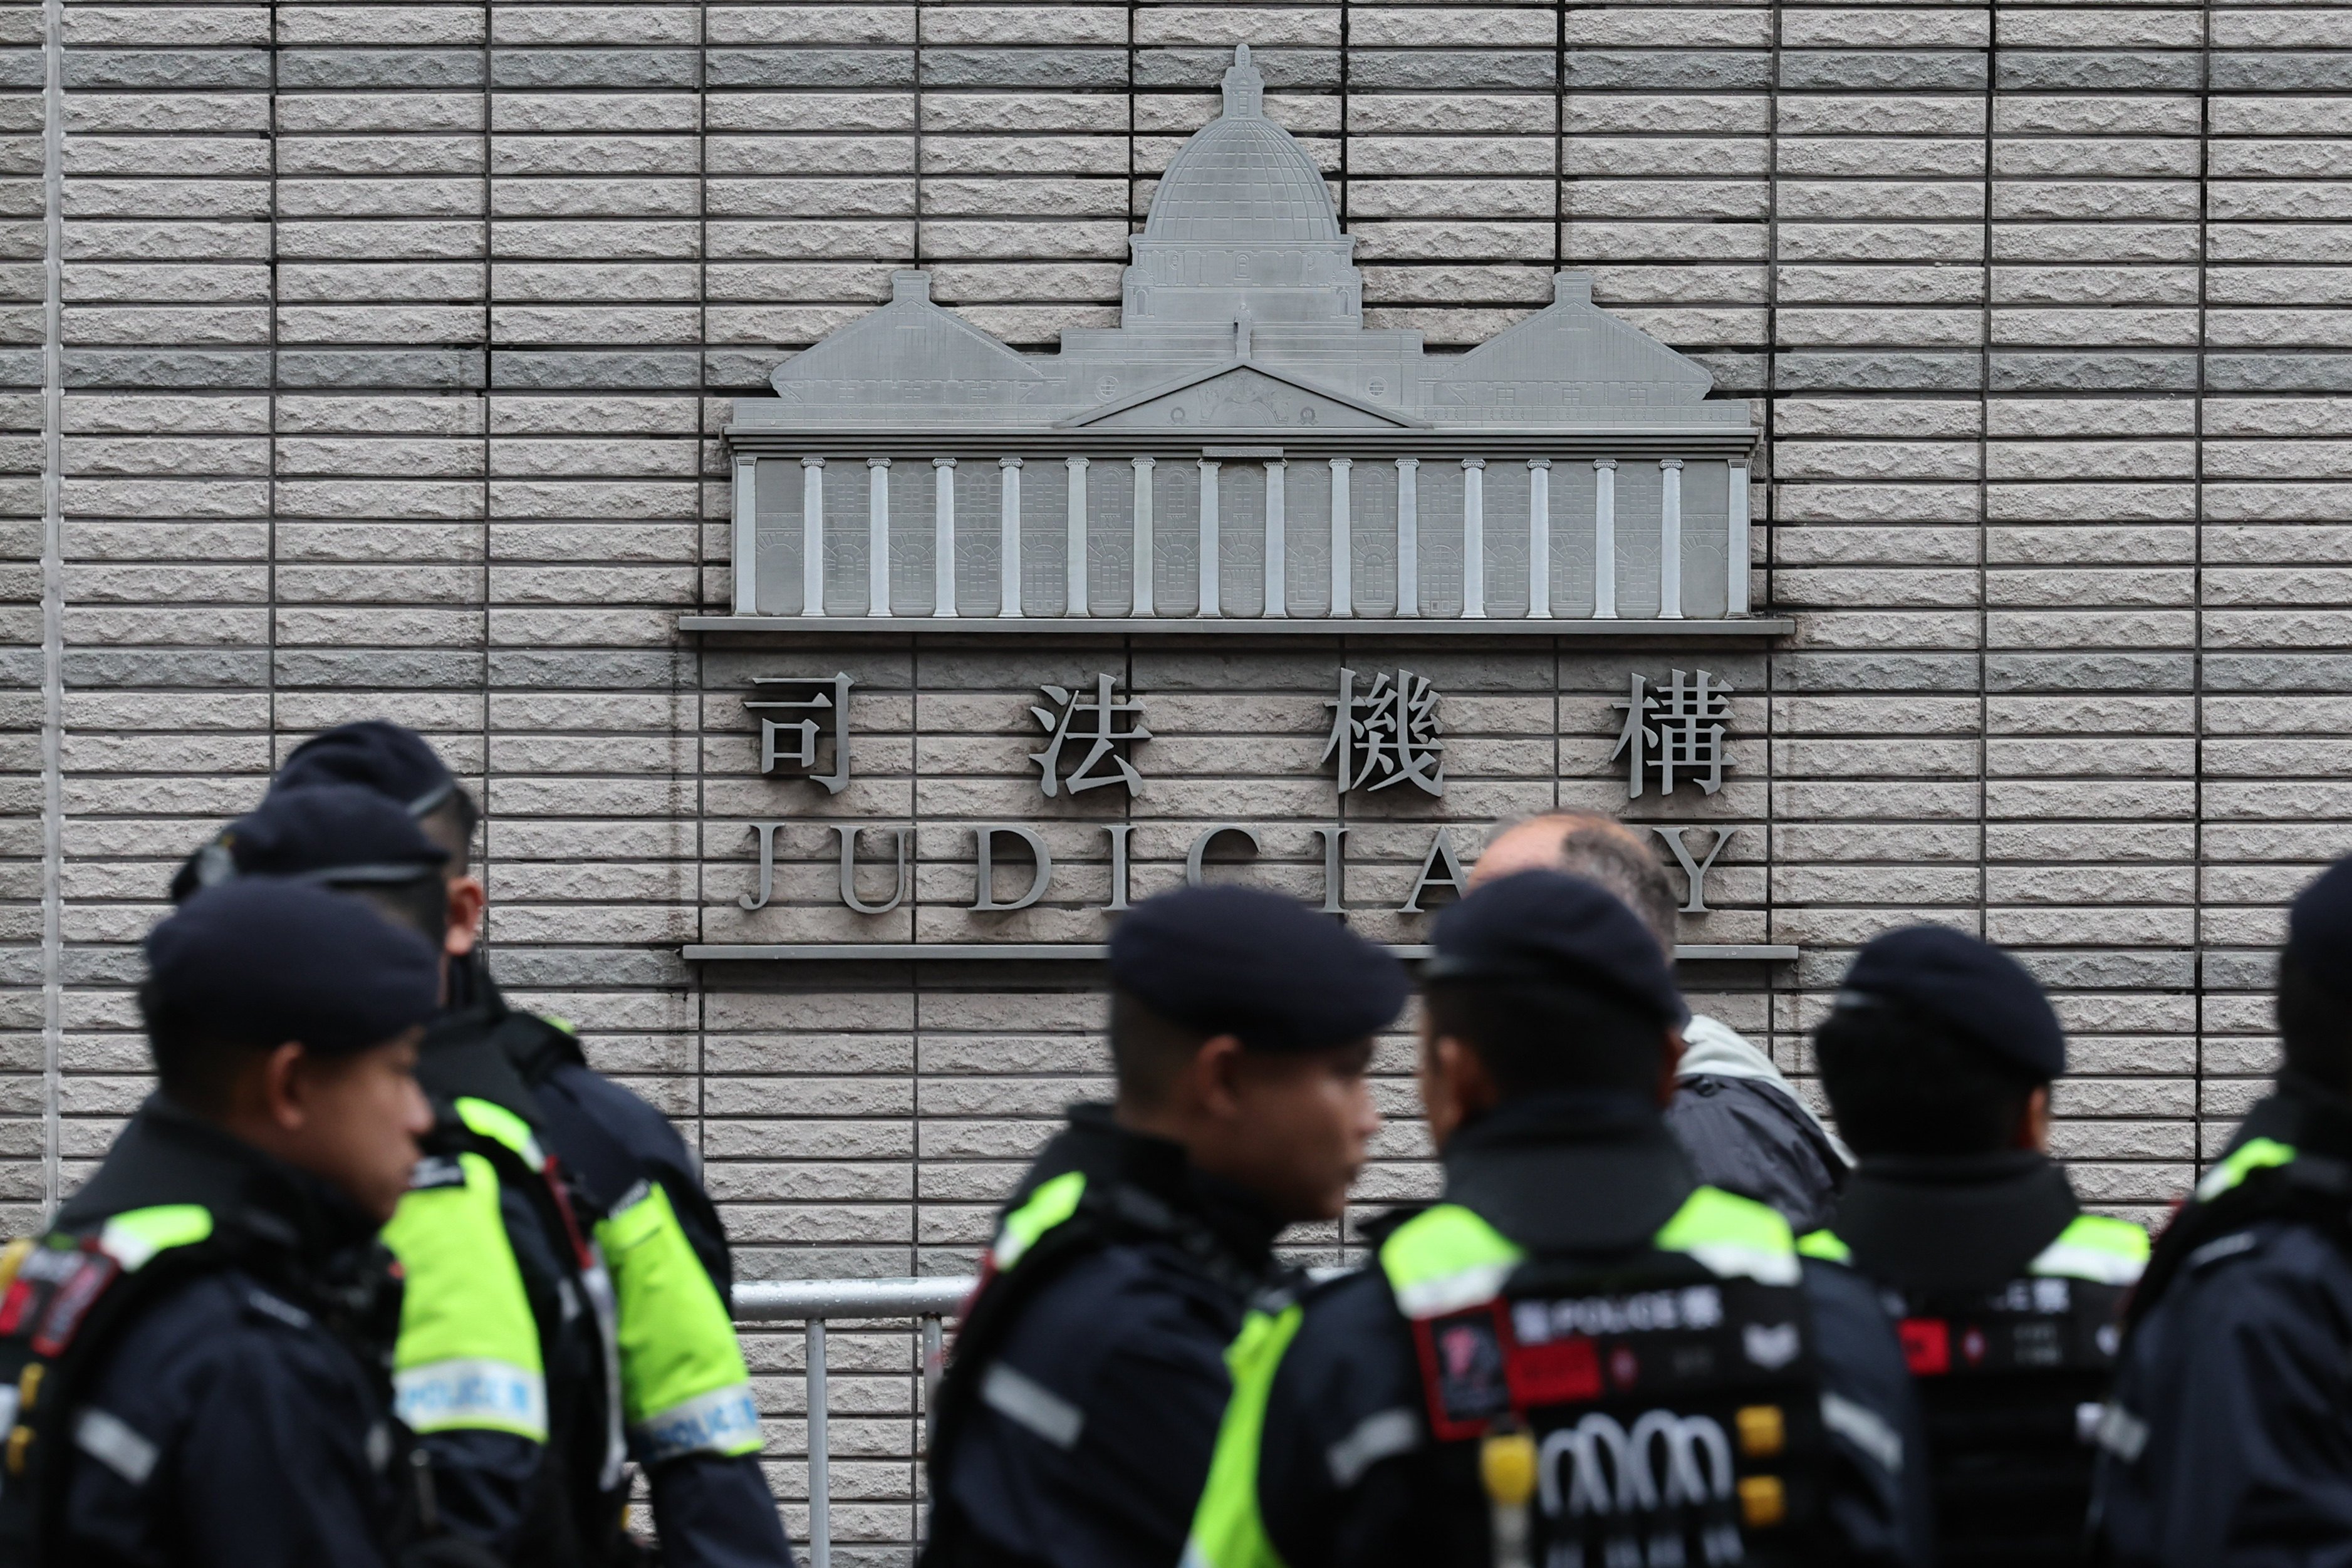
{"x":1242,"y":180}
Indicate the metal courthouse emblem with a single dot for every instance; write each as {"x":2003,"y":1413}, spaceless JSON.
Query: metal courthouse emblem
{"x":1241,"y":450}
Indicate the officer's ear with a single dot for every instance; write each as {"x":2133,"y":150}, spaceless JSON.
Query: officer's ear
{"x":286,"y":1075}
{"x":2033,"y":1124}
{"x":1215,"y":1075}
{"x":1669,"y":1067}
{"x":1456,"y":1089}
{"x":464,"y":926}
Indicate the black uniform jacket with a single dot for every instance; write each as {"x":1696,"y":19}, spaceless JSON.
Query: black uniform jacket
{"x":1130,"y":1340}
{"x":2229,"y":1440}
{"x":1347,"y":1478}
{"x":1748,"y":1135}
{"x":1968,"y":1224}
{"x":235,"y":1430}
{"x":711,"y":1511}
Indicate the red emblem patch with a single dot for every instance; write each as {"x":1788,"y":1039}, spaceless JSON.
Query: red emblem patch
{"x":1926,"y":1345}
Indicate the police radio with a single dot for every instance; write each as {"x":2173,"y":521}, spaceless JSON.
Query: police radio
{"x":1660,"y":1417}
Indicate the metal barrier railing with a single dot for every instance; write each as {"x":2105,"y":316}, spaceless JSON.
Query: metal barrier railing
{"x":816,"y":1302}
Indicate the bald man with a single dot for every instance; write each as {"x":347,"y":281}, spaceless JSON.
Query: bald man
{"x":1737,"y":1117}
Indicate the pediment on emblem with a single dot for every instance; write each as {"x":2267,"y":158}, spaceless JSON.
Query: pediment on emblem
{"x":1572,"y":358}
{"x":909,"y":362}
{"x":1241,"y":397}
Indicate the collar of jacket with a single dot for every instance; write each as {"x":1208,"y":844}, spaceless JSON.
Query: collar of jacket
{"x":2303,"y":1114}
{"x":1108,"y":1153}
{"x":1971,"y":1222}
{"x":465,"y":1053}
{"x":1571,"y":1173}
{"x":166,"y":1154}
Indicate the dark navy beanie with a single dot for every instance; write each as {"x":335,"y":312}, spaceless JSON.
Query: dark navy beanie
{"x":1968,"y":985}
{"x":387,"y":757}
{"x":344,"y":835}
{"x":1257,"y":965}
{"x":2319,"y":929}
{"x":1553,"y":928}
{"x":263,"y":962}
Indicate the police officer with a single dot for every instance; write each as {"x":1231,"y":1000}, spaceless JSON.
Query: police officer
{"x":2226,"y":1442}
{"x":1938,"y":1058}
{"x":1734,"y":1113}
{"x":685,"y":1392}
{"x":194,"y":1359}
{"x":1077,"y":1415}
{"x":1580,"y":1354}
{"x":502,"y":1367}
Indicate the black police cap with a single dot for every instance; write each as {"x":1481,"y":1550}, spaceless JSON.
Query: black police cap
{"x":389,"y":758}
{"x":1969,"y":986}
{"x":1242,"y":961}
{"x":341,"y":834}
{"x":265,"y":962}
{"x":2319,"y":929}
{"x":1555,"y":929}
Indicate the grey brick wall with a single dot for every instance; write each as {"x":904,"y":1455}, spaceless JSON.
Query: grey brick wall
{"x":391,"y":345}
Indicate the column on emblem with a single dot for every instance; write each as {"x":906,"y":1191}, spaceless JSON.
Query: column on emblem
{"x":1277,"y":542}
{"x":1474,"y":538}
{"x":943,"y":538}
{"x":743,"y":543}
{"x":1735,"y":572}
{"x":1408,"y":537}
{"x":1343,"y":539}
{"x":1540,"y":539}
{"x":1076,"y":562}
{"x":877,"y":536}
{"x":1145,"y":559}
{"x":1605,"y":539}
{"x":1008,"y":539}
{"x":811,"y":536}
{"x":1670,"y":538}
{"x":1213,"y":540}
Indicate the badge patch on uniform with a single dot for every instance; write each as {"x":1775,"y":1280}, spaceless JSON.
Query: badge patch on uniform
{"x":1463,"y":1369}
{"x":1926,"y":1345}
{"x":72,"y":1303}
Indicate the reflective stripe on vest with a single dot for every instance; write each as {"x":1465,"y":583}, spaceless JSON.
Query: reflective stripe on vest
{"x":1732,"y":1236}
{"x":468,"y":1356}
{"x":1446,"y":1257}
{"x":2253,"y":1155}
{"x":1227,"y":1529}
{"x":132,"y":1238}
{"x":1826,"y":1245}
{"x":1053,"y":1202}
{"x":501,"y":1125}
{"x":2094,"y":1248}
{"x":684,"y":1386}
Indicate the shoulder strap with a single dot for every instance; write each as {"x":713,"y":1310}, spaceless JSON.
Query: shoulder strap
{"x":1827,"y":1246}
{"x":2263,"y":1179}
{"x":1448,"y":1258}
{"x":1444,"y":1258}
{"x":1732,"y":1236}
{"x":2094,"y":1248}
